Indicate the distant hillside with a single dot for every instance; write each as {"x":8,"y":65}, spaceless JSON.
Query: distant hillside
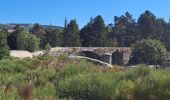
{"x":27,"y":27}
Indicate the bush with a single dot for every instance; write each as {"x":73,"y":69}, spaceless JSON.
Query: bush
{"x":42,"y":92}
{"x":18,"y":65}
{"x":149,"y":52}
{"x":78,"y":67}
{"x":12,"y":95}
{"x":87,"y":87}
{"x":82,"y":80}
{"x":79,"y":81}
{"x":11,"y":78}
{"x":42,"y":77}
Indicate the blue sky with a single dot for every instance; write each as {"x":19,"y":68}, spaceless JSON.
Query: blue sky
{"x":55,"y":11}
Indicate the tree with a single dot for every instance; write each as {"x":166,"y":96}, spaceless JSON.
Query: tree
{"x":54,"y":37}
{"x":146,"y":23}
{"x":150,"y":52}
{"x":4,"y":49}
{"x":32,"y":43}
{"x":27,"y":41}
{"x":94,"y":33}
{"x":71,"y":35}
{"x":125,"y":30}
{"x":40,"y":32}
{"x":86,"y":34}
{"x":12,"y":37}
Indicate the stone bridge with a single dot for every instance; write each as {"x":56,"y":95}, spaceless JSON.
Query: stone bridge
{"x":110,"y":55}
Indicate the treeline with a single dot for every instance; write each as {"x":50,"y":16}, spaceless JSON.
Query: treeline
{"x":124,"y":32}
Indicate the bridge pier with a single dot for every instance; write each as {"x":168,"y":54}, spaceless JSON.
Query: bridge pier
{"x":107,"y":58}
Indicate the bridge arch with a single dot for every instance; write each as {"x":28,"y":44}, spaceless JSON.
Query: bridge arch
{"x":90,"y":54}
{"x":117,"y":57}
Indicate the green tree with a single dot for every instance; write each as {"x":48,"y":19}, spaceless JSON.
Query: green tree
{"x":4,"y":49}
{"x":32,"y":43}
{"x":94,"y":33}
{"x":150,"y":52}
{"x":12,"y":37}
{"x":71,"y":35}
{"x":86,"y":34}
{"x":27,"y":41}
{"x":40,"y":32}
{"x":146,"y":23}
{"x":54,"y":37}
{"x":125,"y":30}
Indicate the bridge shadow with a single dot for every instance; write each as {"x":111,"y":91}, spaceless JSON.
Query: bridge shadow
{"x":90,"y":55}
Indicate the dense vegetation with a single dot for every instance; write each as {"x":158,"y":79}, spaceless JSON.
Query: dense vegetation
{"x":48,"y":78}
{"x":123,"y":32}
{"x":149,"y":51}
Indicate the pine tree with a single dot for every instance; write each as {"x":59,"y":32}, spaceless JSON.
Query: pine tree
{"x":71,"y":36}
{"x":125,"y":30}
{"x":146,"y":24}
{"x":12,"y":37}
{"x":94,"y":33}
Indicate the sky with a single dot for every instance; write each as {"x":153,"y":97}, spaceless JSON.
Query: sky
{"x":55,"y":11}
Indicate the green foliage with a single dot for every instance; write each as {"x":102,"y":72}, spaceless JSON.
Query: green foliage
{"x":12,"y":95}
{"x":150,"y":52}
{"x":13,"y":72}
{"x":54,"y":37}
{"x":9,"y":78}
{"x":46,"y":91}
{"x":78,"y":81}
{"x":17,"y":65}
{"x":94,"y":33}
{"x":40,"y":33}
{"x":44,"y":76}
{"x":71,"y":36}
{"x":27,"y":41}
{"x":82,"y":80}
{"x":79,"y":67}
{"x":125,"y":30}
{"x":4,"y":49}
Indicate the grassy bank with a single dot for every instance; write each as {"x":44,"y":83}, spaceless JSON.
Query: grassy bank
{"x":47,"y":78}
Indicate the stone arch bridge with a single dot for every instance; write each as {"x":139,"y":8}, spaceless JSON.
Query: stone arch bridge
{"x":110,"y":55}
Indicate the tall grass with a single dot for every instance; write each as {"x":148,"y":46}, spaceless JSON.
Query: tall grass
{"x":14,"y":71}
{"x":84,"y":81}
{"x":80,"y":80}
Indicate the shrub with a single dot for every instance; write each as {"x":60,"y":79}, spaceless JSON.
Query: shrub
{"x":43,"y":76}
{"x":149,"y":52}
{"x":87,"y":87}
{"x":42,"y":92}
{"x":11,"y":78}
{"x":11,"y":95}
{"x":77,"y":67}
{"x":125,"y":90}
{"x":83,"y":80}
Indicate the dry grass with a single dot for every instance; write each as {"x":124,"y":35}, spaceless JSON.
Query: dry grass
{"x":25,"y":91}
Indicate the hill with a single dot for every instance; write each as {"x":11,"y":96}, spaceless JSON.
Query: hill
{"x":27,"y":27}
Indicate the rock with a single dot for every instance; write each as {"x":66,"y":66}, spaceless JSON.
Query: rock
{"x":20,"y":54}
{"x":38,"y":53}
